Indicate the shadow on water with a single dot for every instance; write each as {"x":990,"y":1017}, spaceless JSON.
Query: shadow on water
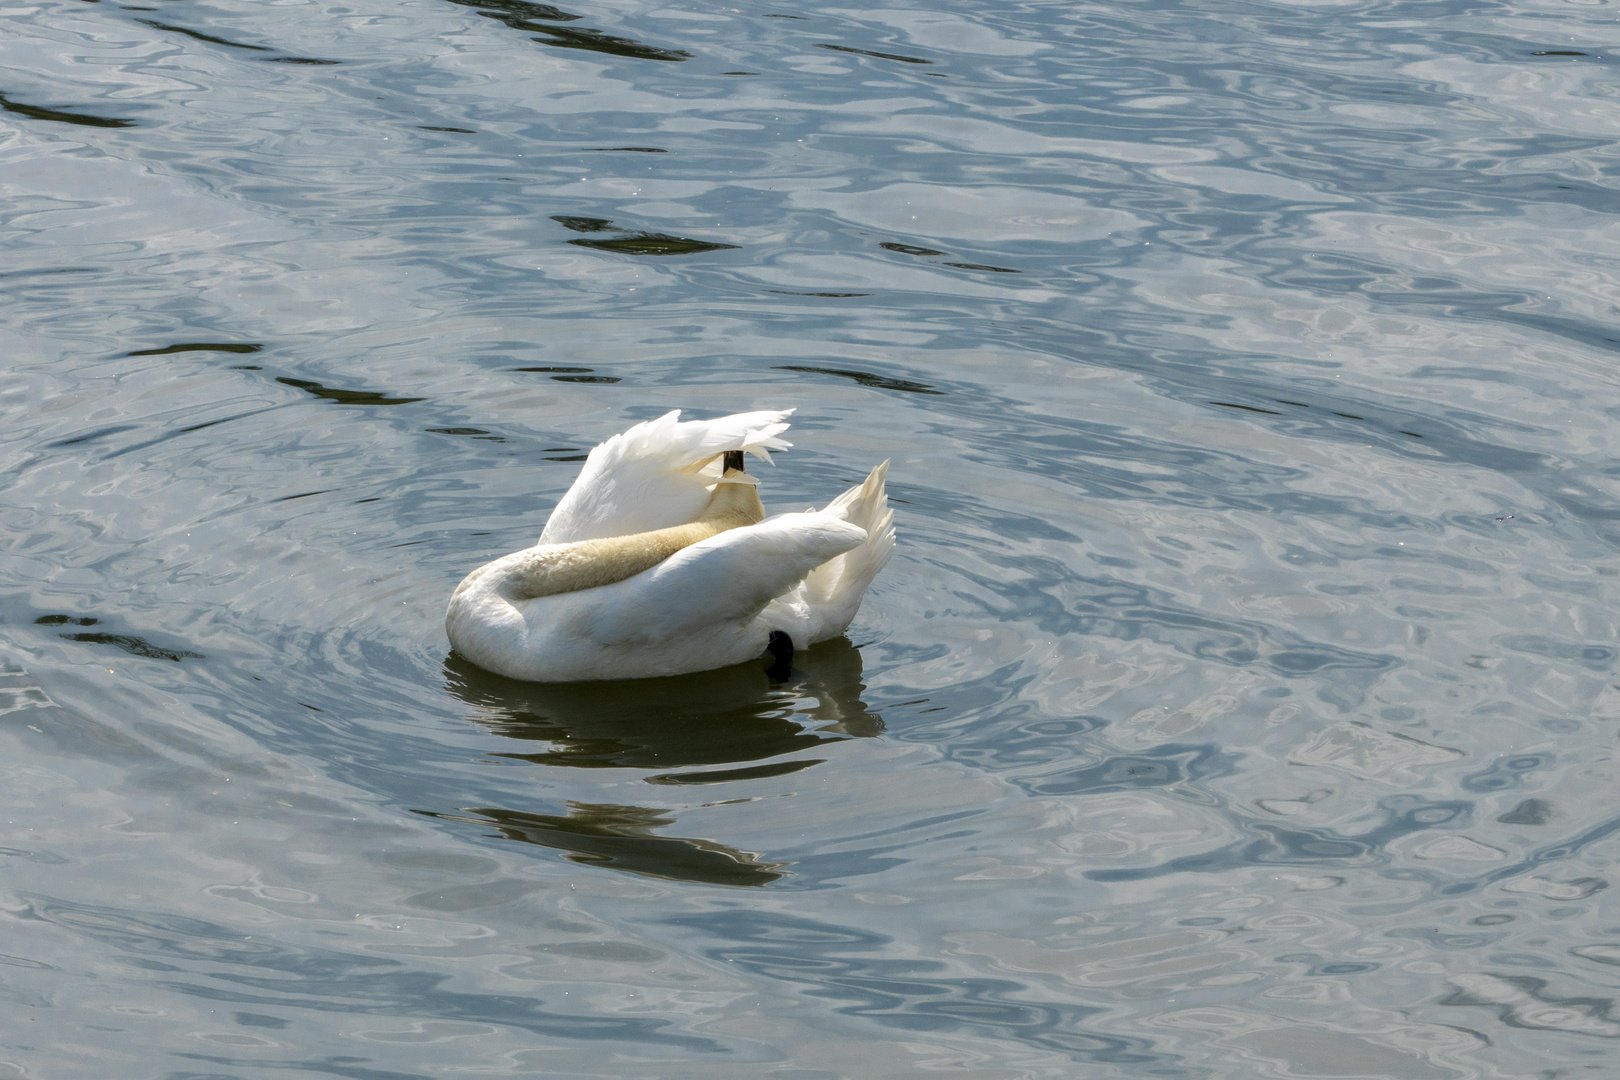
{"x":632,"y":242}
{"x":533,"y":18}
{"x":622,"y":838}
{"x":734,"y":716}
{"x":37,"y":112}
{"x":720,"y":717}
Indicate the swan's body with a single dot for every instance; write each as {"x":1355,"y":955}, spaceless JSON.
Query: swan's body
{"x":660,"y":561}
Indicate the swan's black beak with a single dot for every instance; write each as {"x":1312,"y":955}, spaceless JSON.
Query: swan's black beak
{"x":731,"y":459}
{"x":779,"y":647}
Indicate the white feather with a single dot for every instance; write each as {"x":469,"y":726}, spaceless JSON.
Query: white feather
{"x":657,"y":474}
{"x":708,"y":605}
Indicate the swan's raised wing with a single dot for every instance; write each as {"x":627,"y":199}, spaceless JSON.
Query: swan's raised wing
{"x":657,"y":474}
{"x":724,"y":580}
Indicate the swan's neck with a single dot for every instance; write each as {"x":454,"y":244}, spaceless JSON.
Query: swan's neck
{"x":585,"y":564}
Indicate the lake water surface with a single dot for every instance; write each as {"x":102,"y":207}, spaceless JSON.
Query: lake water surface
{"x":1241,"y":699}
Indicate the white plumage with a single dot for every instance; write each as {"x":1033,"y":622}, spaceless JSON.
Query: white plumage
{"x":712,"y":603}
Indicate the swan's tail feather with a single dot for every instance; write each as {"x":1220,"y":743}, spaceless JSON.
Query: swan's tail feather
{"x":834,"y":590}
{"x":658,"y":474}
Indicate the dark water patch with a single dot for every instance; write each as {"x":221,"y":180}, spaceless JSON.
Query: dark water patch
{"x":597,"y":41}
{"x":880,"y":55}
{"x":1528,"y":812}
{"x":622,"y":838}
{"x":583,"y":224}
{"x":909,"y":249}
{"x":627,"y":150}
{"x":135,"y":646}
{"x":476,"y":433}
{"x":983,"y":266}
{"x":846,"y":966}
{"x":726,"y":776}
{"x":864,"y":378}
{"x":92,"y":436}
{"x":517,"y":13}
{"x":1246,"y":408}
{"x":631,"y":242}
{"x":37,"y":112}
{"x":1559,"y":52}
{"x":453,"y":130}
{"x":1278,"y":845}
{"x":201,"y":346}
{"x":346,"y":397}
{"x":533,"y":18}
{"x":219,"y":964}
{"x":65,"y":620}
{"x":302,"y":495}
{"x":1162,"y":766}
{"x":837,"y":295}
{"x":558,"y":369}
{"x":200,"y":36}
{"x":645,"y":243}
{"x":1505,"y":772}
{"x":309,"y":61}
{"x":603,"y":379}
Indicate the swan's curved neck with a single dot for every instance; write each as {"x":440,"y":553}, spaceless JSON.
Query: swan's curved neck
{"x":585,"y":564}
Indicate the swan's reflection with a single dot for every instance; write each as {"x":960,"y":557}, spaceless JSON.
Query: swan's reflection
{"x":621,"y":838}
{"x":711,"y":718}
{"x":729,"y":717}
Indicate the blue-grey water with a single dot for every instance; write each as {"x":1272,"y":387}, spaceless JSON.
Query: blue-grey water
{"x":1242,"y":697}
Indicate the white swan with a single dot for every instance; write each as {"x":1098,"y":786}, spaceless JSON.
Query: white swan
{"x":660,"y":561}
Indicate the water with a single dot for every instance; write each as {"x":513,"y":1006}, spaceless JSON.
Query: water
{"x":1240,"y":701}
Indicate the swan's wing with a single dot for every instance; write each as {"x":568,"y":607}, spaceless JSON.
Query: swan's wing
{"x":657,"y":474}
{"x":722,"y":581}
